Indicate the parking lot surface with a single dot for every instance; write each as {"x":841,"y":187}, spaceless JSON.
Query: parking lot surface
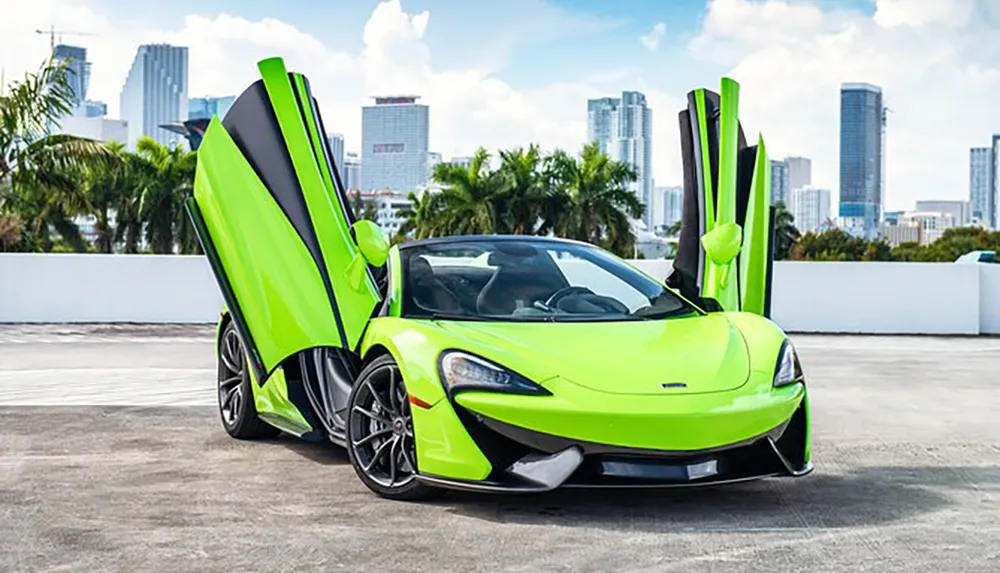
{"x":112,"y":457}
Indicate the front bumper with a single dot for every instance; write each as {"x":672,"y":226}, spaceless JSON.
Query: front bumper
{"x":524,"y":460}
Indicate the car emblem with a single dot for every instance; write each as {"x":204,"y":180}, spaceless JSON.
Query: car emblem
{"x":674,"y":385}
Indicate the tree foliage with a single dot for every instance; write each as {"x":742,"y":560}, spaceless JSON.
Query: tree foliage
{"x":585,"y":198}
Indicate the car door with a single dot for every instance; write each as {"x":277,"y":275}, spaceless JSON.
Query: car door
{"x":725,"y":249}
{"x":273,"y":218}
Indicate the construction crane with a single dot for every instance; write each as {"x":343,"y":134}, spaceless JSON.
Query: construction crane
{"x":52,"y":32}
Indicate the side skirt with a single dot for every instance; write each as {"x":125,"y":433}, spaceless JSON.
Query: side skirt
{"x":291,"y":427}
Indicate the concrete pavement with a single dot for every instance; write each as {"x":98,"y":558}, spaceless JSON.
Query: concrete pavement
{"x":97,"y":472}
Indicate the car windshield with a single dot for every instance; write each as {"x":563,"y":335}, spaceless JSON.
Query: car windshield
{"x":529,"y":280}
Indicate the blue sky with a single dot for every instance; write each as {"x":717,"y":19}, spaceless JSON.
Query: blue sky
{"x":500,"y":74}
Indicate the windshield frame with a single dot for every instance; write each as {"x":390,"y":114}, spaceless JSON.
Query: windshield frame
{"x":597,"y":257}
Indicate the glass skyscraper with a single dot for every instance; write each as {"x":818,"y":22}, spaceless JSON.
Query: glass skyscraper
{"x":206,"y":107}
{"x":862,"y":142}
{"x":623,"y":129}
{"x":982,"y":188}
{"x":156,"y":93}
{"x":395,"y":134}
{"x":77,"y":70}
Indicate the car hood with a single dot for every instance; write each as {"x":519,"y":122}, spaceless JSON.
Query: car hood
{"x":697,"y":354}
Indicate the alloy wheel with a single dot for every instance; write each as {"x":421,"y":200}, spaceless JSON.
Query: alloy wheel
{"x":381,"y":425}
{"x":231,"y":377}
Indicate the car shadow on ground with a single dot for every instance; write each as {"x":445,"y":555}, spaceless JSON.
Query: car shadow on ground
{"x":869,"y":497}
{"x":325,"y":453}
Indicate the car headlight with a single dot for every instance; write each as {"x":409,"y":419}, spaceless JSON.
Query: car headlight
{"x":463,"y":371}
{"x":789,"y":371}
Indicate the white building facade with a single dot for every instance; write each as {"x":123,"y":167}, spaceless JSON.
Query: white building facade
{"x":961,"y":211}
{"x":395,"y":136}
{"x":96,"y":128}
{"x":799,"y":172}
{"x":811,"y":208}
{"x":156,"y":93}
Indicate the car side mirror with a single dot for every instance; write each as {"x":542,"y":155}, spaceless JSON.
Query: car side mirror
{"x":374,"y":247}
{"x":372,"y":241}
{"x":723,"y":243}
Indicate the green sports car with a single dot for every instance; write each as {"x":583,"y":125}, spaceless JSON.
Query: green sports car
{"x":495,"y":363}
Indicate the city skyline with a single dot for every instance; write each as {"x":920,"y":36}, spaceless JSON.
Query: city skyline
{"x":621,"y":127}
{"x":513,"y":76}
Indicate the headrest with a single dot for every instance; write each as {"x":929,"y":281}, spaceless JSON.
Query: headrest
{"x":511,"y":254}
{"x":419,"y":267}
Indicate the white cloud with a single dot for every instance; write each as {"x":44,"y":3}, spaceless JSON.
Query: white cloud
{"x":923,"y":12}
{"x":652,"y":40}
{"x":938,"y":71}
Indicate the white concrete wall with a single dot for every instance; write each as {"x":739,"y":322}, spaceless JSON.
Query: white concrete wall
{"x":877,"y":298}
{"x":880,"y":298}
{"x":904,"y":298}
{"x":107,"y":288}
{"x":989,"y":299}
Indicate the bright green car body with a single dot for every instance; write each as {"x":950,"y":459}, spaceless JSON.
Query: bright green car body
{"x":297,"y":274}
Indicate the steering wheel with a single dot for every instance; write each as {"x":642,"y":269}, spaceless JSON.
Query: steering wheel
{"x":563,"y":293}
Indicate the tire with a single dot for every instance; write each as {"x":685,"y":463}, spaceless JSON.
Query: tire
{"x":380,"y":434}
{"x":236,"y":406}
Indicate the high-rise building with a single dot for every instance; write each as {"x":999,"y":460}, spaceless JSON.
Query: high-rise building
{"x":799,"y":172}
{"x":668,"y":205}
{"x":156,"y":93}
{"x":77,"y":70}
{"x":811,"y":208}
{"x":862,"y":149}
{"x":206,"y":107}
{"x":336,"y":141}
{"x":395,"y":136}
{"x":779,"y":183}
{"x":982,"y":197}
{"x":959,"y":210}
{"x":623,"y":129}
{"x":352,"y":172}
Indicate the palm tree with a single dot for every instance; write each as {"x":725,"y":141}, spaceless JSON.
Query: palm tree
{"x":594,"y":203}
{"x":43,"y":169}
{"x":471,"y":202}
{"x":422,"y":218}
{"x":108,"y":186}
{"x":136,"y":174}
{"x":523,"y":197}
{"x":785,"y":233}
{"x":162,"y":204}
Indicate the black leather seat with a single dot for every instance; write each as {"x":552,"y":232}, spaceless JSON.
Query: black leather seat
{"x":517,"y":282}
{"x":428,"y":291}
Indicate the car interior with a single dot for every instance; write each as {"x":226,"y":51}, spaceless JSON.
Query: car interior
{"x":508,"y":280}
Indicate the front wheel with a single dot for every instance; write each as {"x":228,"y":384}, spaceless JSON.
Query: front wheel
{"x":236,"y":406}
{"x":380,"y":433}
